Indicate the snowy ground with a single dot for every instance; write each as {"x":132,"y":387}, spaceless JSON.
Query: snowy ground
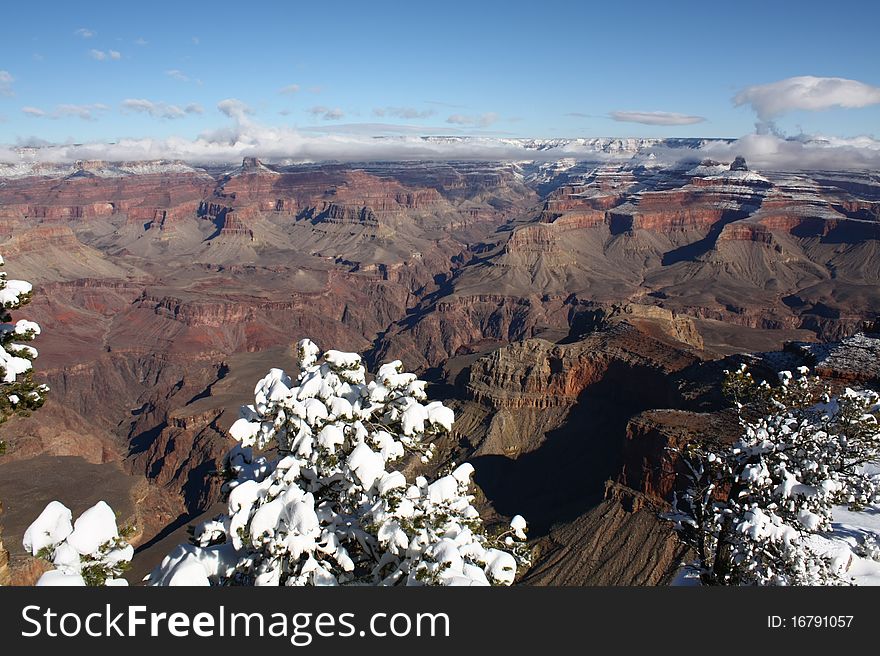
{"x":853,"y":537}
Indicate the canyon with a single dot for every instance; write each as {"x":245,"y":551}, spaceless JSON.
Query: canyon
{"x":577,"y":317}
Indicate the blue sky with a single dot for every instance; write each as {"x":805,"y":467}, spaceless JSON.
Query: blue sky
{"x":97,"y":71}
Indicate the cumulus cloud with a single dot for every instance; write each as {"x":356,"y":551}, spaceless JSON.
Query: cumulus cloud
{"x":290,"y":89}
{"x":33,"y":111}
{"x":772,"y":152}
{"x":100,"y":55}
{"x":160,"y":109}
{"x":481,"y":121}
{"x":655,"y":118}
{"x":326,"y":113}
{"x":234,"y":109}
{"x":85,"y":33}
{"x":403,"y":112}
{"x":6,"y":81}
{"x":808,"y":93}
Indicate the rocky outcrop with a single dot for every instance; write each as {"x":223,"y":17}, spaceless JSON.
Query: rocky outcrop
{"x":651,"y":464}
{"x":538,"y":238}
{"x":758,"y":233}
{"x":341,"y":215}
{"x":853,"y":360}
{"x":538,"y":374}
{"x":231,"y":225}
{"x":621,"y":541}
{"x":41,"y":237}
{"x":186,"y":457}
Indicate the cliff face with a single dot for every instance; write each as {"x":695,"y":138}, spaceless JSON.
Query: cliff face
{"x":91,"y":197}
{"x":555,"y":416}
{"x":537,"y":374}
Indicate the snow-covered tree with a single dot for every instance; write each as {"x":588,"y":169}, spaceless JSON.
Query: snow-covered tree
{"x":750,"y":508}
{"x":18,"y":391}
{"x":329,"y":510}
{"x":90,"y":551}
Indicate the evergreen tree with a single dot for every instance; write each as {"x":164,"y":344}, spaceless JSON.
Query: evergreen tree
{"x":751,"y":509}
{"x":327,"y":510}
{"x":19,"y":394}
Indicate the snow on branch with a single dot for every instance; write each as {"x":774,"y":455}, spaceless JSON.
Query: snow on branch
{"x":330,"y":509}
{"x":90,"y":551}
{"x":752,"y":510}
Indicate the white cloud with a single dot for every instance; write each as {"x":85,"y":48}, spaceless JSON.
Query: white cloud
{"x":33,"y":111}
{"x":141,"y":41}
{"x":85,"y":33}
{"x":178,"y":75}
{"x":806,"y":93}
{"x":327,"y":113}
{"x":234,"y":109}
{"x":403,"y":112}
{"x":289,"y":89}
{"x":6,"y":81}
{"x":481,"y":121}
{"x":100,"y":55}
{"x":85,"y":112}
{"x":232,"y":143}
{"x":655,"y":118}
{"x":769,"y":151}
{"x":243,"y":137}
{"x":160,"y":109}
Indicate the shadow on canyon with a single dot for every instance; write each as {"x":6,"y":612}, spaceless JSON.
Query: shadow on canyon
{"x":565,"y":476}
